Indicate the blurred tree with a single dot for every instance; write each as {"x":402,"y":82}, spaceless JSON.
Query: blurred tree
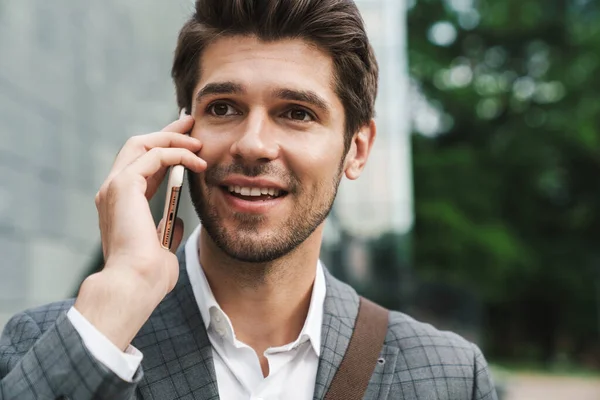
{"x":506,"y":165}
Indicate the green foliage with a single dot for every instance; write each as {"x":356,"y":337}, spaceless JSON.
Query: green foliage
{"x":507,"y":193}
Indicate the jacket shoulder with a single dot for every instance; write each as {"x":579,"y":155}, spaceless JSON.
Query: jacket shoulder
{"x":410,"y":335}
{"x":435,"y":364}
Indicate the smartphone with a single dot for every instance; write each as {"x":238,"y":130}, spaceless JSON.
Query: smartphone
{"x":174,"y":185}
{"x":171,"y":205}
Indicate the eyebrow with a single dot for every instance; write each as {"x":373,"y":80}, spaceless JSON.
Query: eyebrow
{"x":220,"y":88}
{"x":304,"y":96}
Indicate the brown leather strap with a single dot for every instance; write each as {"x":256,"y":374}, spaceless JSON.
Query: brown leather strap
{"x":351,"y":379}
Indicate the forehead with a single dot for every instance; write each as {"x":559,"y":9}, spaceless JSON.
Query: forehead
{"x":286,"y":63}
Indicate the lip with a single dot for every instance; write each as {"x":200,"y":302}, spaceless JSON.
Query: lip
{"x":245,"y":181}
{"x":250,"y":207}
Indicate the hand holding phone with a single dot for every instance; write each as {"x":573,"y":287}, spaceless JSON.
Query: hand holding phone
{"x":138,"y":272}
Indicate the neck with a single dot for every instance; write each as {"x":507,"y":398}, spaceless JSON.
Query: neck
{"x":266,"y":303}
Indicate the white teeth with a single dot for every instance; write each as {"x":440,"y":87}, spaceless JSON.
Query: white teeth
{"x":253,"y":191}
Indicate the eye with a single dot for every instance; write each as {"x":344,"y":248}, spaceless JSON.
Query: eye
{"x":221,"y":109}
{"x":299,"y":114}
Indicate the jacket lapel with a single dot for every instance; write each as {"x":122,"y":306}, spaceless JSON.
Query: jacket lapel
{"x":178,"y":360}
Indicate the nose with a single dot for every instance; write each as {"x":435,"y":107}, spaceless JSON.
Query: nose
{"x":257,"y":142}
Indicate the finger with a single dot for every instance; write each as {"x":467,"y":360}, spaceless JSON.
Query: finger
{"x":183,"y":125}
{"x":139,"y":145}
{"x":158,"y":159}
{"x":159,"y":228}
{"x":154,"y":182}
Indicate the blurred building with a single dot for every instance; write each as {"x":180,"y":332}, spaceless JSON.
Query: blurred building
{"x":76,"y":79}
{"x":381,"y":200}
{"x":367,"y":242}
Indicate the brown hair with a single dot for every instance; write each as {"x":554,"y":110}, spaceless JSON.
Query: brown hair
{"x":335,"y":26}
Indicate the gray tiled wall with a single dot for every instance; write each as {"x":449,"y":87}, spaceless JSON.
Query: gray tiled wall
{"x":76,"y":79}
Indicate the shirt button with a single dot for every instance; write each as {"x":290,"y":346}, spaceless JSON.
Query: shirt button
{"x":221,"y":332}
{"x":218,"y":318}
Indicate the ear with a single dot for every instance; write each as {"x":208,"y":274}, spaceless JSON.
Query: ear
{"x":359,"y":150}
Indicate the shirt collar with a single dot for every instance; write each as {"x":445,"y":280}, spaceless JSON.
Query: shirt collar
{"x":207,"y":303}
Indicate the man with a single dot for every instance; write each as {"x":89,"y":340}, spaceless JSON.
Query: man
{"x":281,"y":97}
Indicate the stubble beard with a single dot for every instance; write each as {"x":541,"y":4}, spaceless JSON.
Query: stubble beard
{"x":245,"y":242}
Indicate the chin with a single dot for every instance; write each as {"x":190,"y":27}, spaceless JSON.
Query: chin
{"x":250,"y":243}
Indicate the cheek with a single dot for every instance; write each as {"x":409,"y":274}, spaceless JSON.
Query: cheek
{"x":319,"y":148}
{"x":314,"y":166}
{"x":214,"y":146}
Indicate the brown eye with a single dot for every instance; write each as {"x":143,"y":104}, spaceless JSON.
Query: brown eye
{"x":299,"y":114}
{"x":221,"y":109}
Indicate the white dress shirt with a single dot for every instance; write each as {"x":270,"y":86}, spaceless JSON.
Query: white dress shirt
{"x":292,"y":367}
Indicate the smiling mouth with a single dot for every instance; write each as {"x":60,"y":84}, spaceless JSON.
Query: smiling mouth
{"x":254,"y":193}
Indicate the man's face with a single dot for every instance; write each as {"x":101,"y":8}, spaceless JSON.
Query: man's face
{"x":273,"y":137}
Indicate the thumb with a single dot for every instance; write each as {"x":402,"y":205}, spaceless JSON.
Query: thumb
{"x":177,"y":233}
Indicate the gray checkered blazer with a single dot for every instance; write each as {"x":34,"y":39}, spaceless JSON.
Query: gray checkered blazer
{"x":43,"y":357}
